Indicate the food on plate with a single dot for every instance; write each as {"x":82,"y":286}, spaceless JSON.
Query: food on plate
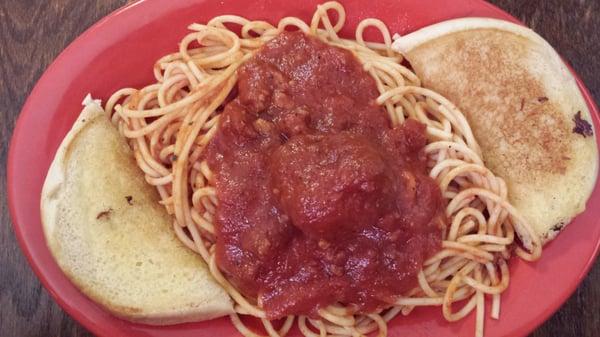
{"x":526,"y":111}
{"x":318,"y":177}
{"x":107,"y":232}
{"x":320,"y":201}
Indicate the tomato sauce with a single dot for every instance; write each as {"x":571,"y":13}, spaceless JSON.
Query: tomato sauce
{"x":321,"y":201}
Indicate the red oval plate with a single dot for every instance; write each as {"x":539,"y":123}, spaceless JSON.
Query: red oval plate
{"x":120,"y":50}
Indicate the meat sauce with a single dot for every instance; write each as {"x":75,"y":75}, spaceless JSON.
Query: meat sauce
{"x":321,"y":201}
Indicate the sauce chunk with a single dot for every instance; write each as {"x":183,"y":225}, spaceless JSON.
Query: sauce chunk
{"x":321,"y":201}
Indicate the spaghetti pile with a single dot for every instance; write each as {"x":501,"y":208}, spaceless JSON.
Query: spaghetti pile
{"x":169,"y":123}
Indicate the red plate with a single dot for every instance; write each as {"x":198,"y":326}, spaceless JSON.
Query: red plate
{"x":120,"y":50}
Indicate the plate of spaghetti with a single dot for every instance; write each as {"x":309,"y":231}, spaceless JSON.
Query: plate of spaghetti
{"x":330,"y":184}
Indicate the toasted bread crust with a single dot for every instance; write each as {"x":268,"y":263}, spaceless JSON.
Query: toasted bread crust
{"x":111,"y":237}
{"x":521,"y":102}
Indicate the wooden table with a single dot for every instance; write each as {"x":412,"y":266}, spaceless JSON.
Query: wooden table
{"x":32,"y":33}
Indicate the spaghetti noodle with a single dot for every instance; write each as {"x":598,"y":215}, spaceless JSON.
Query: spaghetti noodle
{"x":169,"y":124}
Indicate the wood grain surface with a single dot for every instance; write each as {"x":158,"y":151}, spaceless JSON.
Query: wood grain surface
{"x":32,"y":33}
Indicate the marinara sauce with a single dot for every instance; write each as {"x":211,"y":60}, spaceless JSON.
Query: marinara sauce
{"x":321,"y":201}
